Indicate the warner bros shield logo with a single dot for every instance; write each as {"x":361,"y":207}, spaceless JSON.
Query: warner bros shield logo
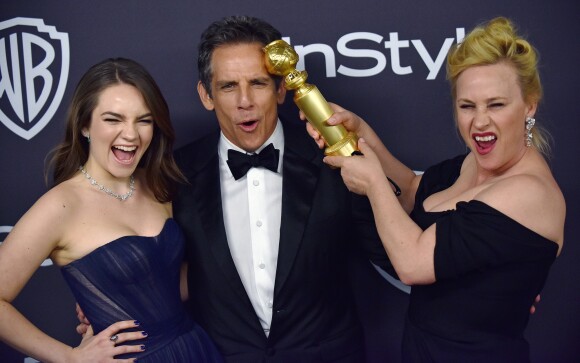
{"x":34,"y":67}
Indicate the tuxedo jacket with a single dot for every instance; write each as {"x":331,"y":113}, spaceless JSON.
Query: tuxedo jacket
{"x":314,"y":318}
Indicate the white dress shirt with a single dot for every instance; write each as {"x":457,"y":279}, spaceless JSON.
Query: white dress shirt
{"x":252,"y":207}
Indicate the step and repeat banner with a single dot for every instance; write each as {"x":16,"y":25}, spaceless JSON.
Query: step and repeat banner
{"x":384,"y":60}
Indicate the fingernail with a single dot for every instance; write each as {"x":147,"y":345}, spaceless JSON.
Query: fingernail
{"x":142,"y":347}
{"x":136,"y":322}
{"x":144,"y":333}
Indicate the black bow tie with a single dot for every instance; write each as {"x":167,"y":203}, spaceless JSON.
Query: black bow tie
{"x":240,"y":163}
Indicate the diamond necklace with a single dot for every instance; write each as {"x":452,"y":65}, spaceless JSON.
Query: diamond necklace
{"x":121,"y":197}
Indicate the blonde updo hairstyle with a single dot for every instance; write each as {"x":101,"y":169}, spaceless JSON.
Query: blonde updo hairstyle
{"x":494,"y":42}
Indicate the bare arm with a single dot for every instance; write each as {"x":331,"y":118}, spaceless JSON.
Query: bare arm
{"x":33,"y":238}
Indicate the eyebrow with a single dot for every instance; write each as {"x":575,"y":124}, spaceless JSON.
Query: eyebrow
{"x":121,"y":116}
{"x":491,"y":99}
{"x":263,"y":79}
{"x":223,"y":83}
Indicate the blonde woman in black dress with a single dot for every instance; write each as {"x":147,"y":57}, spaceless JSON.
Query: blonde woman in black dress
{"x":475,"y":235}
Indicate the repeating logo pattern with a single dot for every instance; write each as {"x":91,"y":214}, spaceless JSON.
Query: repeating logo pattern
{"x":34,"y":68}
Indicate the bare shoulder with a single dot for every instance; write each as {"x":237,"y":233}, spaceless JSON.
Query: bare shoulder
{"x":51,"y":212}
{"x":60,"y":202}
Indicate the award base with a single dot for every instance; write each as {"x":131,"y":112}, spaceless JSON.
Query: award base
{"x":344,"y":147}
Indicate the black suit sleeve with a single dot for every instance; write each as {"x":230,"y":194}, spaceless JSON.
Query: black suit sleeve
{"x":367,"y":236}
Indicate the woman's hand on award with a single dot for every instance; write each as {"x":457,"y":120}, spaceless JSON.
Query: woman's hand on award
{"x":349,"y":120}
{"x":360,"y":172}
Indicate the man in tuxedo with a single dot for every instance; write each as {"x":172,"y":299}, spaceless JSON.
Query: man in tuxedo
{"x":268,"y":226}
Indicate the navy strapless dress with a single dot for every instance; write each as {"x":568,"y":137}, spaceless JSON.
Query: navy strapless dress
{"x":137,"y":278}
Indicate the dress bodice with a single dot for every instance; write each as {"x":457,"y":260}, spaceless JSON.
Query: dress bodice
{"x":136,"y":278}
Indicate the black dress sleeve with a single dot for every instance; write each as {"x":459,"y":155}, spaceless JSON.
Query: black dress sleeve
{"x":476,"y":236}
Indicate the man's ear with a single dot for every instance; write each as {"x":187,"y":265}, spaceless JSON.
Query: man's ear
{"x":281,"y":92}
{"x":205,"y":97}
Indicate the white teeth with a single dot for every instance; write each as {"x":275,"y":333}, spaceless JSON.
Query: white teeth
{"x":126,"y":148}
{"x":485,"y":138}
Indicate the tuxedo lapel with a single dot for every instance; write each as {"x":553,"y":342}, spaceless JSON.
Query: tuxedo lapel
{"x":300,"y":175}
{"x":208,"y":201}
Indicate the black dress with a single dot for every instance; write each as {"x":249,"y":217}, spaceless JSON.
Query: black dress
{"x":488,"y":268}
{"x":137,"y":278}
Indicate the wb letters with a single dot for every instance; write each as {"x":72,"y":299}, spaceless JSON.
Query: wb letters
{"x":34,"y":67}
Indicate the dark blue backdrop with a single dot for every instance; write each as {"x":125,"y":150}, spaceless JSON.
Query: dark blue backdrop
{"x":397,"y":86}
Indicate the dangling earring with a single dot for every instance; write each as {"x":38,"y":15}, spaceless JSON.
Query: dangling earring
{"x":530,"y":122}
{"x":88,"y":136}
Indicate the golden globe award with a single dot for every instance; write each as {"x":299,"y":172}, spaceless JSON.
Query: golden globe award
{"x":281,"y":60}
